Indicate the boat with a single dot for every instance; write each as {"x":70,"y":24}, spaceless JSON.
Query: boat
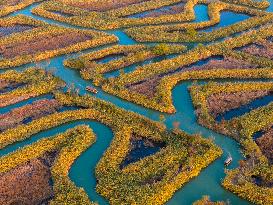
{"x":91,"y":89}
{"x":228,"y":160}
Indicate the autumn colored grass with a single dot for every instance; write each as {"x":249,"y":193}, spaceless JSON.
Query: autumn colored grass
{"x":44,"y":42}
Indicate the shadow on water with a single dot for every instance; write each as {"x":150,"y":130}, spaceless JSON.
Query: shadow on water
{"x":259,"y":134}
{"x":109,"y":58}
{"x":141,"y":148}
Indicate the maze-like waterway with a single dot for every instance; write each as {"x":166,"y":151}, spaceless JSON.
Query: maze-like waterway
{"x":82,"y":171}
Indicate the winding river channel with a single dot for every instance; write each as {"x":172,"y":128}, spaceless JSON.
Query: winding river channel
{"x":82,"y":172}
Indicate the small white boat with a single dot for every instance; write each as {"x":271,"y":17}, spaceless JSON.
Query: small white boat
{"x":228,"y":160}
{"x":91,"y":89}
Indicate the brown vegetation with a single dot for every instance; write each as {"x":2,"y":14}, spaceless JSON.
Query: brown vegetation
{"x":4,"y":84}
{"x":146,"y":87}
{"x":9,"y":2}
{"x":14,"y":99}
{"x":28,"y":183}
{"x":262,"y":48}
{"x":104,"y":5}
{"x":266,"y":144}
{"x":175,"y":9}
{"x":42,"y":43}
{"x":227,"y":63}
{"x":222,"y":102}
{"x":7,"y":30}
{"x":33,"y":111}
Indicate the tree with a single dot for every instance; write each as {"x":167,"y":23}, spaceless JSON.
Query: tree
{"x":191,"y":32}
{"x":161,"y":49}
{"x":162,"y":118}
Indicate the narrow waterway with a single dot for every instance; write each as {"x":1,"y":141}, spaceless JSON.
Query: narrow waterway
{"x":82,"y":171}
{"x":209,"y":181}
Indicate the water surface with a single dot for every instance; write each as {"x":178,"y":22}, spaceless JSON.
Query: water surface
{"x":82,"y":171}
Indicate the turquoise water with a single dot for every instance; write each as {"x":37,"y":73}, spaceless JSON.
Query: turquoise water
{"x":228,"y":18}
{"x":82,"y":171}
{"x":201,"y":13}
{"x":270,"y":8}
{"x":208,"y":182}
